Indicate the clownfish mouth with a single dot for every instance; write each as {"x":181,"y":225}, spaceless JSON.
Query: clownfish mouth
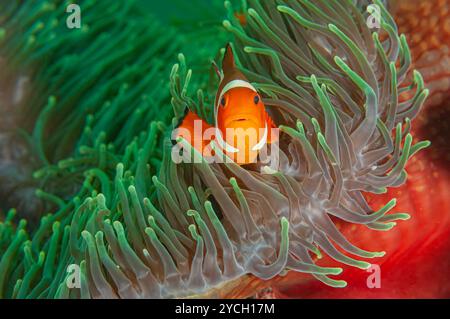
{"x":242,"y":121}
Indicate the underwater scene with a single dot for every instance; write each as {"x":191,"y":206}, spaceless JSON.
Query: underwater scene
{"x":242,"y":149}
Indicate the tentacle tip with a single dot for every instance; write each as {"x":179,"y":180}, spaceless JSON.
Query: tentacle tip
{"x":175,"y":67}
{"x":99,"y":235}
{"x":85,"y":234}
{"x":101,"y":197}
{"x":340,"y":284}
{"x":338,"y":271}
{"x":149,"y":231}
{"x":191,"y":212}
{"x":117,"y":225}
{"x":364,"y":265}
{"x":226,"y":24}
{"x":208,"y":204}
{"x":268,"y":170}
{"x":56,"y":226}
{"x":338,"y":59}
{"x":119,"y":167}
{"x":252,"y":12}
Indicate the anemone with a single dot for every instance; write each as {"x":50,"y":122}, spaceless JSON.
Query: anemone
{"x":88,"y":92}
{"x":333,"y":87}
{"x":75,"y":102}
{"x":331,"y":84}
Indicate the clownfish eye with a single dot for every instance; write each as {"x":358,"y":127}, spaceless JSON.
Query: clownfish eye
{"x":222,"y":101}
{"x":256,"y":99}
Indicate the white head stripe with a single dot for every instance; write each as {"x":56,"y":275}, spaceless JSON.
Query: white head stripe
{"x":231,"y":85}
{"x":236,"y":84}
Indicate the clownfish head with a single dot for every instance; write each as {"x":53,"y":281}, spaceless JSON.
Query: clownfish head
{"x":239,"y":108}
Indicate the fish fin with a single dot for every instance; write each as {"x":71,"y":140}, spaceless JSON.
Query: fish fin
{"x":188,"y":120}
{"x":180,"y":122}
{"x":228,"y":62}
{"x":188,"y":123}
{"x":181,"y":119}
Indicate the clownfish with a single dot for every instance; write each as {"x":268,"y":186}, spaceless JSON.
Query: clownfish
{"x":241,"y":17}
{"x":241,"y":127}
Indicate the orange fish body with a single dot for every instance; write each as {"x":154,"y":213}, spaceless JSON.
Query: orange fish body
{"x":240,"y":16}
{"x":192,"y":128}
{"x":242,"y":125}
